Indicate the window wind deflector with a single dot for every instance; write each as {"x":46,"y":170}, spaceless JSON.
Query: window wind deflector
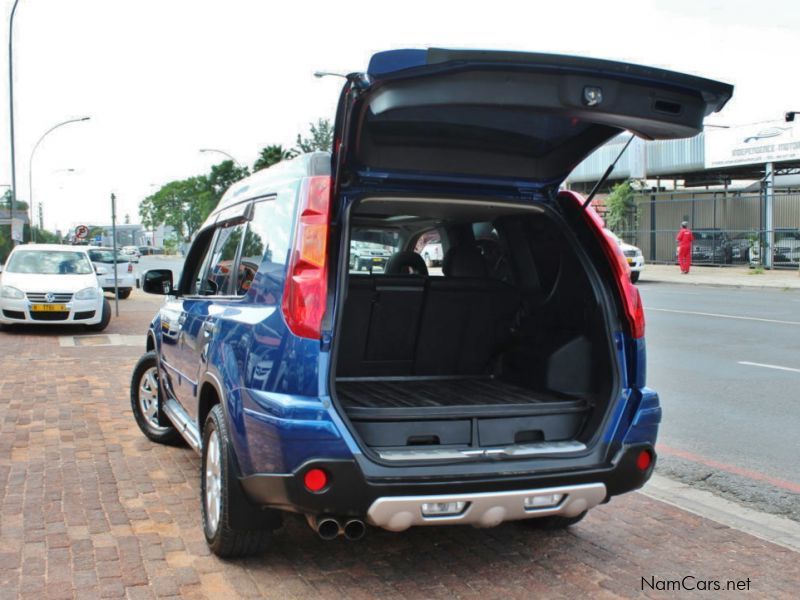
{"x":236,"y":215}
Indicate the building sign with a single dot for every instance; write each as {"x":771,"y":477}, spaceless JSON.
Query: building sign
{"x":771,"y":141}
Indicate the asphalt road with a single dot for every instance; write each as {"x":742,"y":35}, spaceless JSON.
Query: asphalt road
{"x":726,"y":363}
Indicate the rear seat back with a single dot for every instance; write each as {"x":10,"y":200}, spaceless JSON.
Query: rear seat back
{"x":381,"y":321}
{"x":409,"y":325}
{"x":465,"y":322}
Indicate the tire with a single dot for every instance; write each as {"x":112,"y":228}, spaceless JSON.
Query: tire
{"x":145,"y":393}
{"x":634,"y":276}
{"x":222,"y":498}
{"x":554,"y":522}
{"x":105,"y":320}
{"x":124,"y":293}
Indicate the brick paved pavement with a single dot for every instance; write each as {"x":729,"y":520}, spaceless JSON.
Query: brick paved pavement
{"x":89,"y":507}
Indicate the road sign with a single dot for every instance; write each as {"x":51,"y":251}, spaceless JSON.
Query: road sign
{"x":81,"y":231}
{"x":98,"y":239}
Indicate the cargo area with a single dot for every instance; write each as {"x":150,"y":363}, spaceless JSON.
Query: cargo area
{"x":505,"y":343}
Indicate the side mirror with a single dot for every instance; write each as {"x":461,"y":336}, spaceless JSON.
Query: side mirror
{"x":158,"y":281}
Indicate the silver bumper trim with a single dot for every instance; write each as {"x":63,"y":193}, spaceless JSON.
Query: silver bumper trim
{"x":513,"y":451}
{"x":397,"y":513}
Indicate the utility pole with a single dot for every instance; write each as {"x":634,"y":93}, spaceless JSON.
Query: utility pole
{"x":114,"y":236}
{"x":41,"y":218}
{"x":11,"y":117}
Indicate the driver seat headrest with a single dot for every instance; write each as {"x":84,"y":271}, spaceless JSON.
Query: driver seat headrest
{"x":406,"y":263}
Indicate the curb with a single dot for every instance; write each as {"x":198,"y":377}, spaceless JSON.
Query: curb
{"x":771,"y":528}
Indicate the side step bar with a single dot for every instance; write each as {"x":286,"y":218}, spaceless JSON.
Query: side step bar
{"x":183,"y":423}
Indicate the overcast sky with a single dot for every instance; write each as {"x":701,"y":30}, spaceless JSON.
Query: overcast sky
{"x":163,"y":78}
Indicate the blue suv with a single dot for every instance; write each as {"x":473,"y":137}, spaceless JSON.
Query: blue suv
{"x":509,"y":384}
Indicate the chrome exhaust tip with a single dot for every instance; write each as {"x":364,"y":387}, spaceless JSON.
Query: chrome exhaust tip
{"x":354,"y":529}
{"x":327,"y":528}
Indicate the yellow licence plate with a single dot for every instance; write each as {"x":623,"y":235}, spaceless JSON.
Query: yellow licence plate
{"x":48,"y":307}
{"x":630,"y":261}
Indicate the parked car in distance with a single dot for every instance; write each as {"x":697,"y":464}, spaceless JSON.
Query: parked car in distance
{"x":432,"y":254}
{"x":103,"y":261}
{"x":787,"y":247}
{"x":744,"y":247}
{"x":711,"y":246}
{"x":132,"y":252}
{"x":633,"y":255}
{"x":489,"y":393}
{"x":367,"y":256}
{"x":49,"y":284}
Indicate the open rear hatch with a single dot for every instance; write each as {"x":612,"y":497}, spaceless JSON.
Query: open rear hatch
{"x":489,"y":116}
{"x":470,"y":363}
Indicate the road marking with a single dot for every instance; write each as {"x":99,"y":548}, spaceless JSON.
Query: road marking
{"x":721,"y":316}
{"x":778,"y":367}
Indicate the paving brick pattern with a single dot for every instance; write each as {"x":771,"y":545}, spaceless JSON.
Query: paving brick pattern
{"x":89,"y":508}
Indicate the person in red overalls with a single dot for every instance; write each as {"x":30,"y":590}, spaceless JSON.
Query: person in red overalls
{"x":685,"y":239}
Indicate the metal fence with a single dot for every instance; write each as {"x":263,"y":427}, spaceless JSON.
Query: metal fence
{"x":729,"y":228}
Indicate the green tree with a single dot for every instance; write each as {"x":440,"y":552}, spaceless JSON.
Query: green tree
{"x":272,"y":155}
{"x":223,"y":176}
{"x":19,"y":205}
{"x":319,"y":138}
{"x":620,"y":208}
{"x":183,"y":205}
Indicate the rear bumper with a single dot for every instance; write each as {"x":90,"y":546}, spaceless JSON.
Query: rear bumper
{"x":487,"y":509}
{"x":494,"y":499}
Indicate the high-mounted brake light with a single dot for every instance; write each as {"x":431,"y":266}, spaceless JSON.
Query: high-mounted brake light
{"x":632,"y":301}
{"x":305,"y":293}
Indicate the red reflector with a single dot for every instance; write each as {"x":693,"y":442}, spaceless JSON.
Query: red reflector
{"x":644,"y":460}
{"x":315,"y":480}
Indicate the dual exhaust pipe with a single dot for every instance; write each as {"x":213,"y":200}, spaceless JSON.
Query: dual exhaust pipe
{"x":329,"y":528}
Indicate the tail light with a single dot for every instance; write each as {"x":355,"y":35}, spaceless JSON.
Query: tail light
{"x":130,"y":267}
{"x":304,"y":295}
{"x":632,"y":301}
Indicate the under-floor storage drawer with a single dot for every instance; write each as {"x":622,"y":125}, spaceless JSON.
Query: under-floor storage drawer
{"x":414,"y":433}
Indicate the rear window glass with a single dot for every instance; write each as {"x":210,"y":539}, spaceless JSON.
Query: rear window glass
{"x":49,"y":262}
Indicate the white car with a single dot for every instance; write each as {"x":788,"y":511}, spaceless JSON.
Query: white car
{"x":132,"y":252}
{"x":103,"y":261}
{"x":633,"y":255}
{"x":43,"y":284}
{"x":432,"y":254}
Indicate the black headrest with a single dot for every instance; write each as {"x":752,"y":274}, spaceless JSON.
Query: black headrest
{"x":406,"y":263}
{"x":464,"y":261}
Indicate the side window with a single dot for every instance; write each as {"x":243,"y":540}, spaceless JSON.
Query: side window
{"x":265,"y":250}
{"x":431,"y":248}
{"x":196,"y":263}
{"x":219,"y":275}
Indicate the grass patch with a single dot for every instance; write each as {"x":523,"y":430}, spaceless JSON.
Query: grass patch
{"x":756,"y":271}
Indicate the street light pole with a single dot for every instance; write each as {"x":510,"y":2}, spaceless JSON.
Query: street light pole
{"x":33,"y":152}
{"x":238,"y":164}
{"x":11,"y":115}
